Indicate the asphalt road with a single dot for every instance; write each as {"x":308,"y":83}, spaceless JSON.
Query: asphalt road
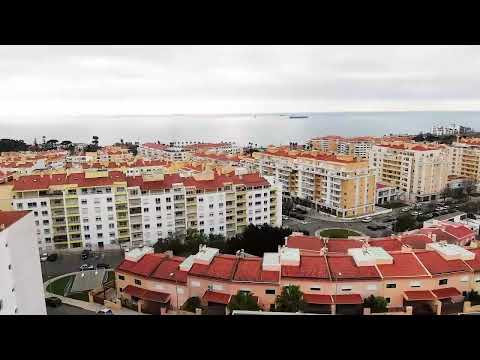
{"x":67,"y":310}
{"x":316,"y":224}
{"x":70,"y":262}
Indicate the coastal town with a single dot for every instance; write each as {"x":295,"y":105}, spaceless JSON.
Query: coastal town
{"x":368,"y":225}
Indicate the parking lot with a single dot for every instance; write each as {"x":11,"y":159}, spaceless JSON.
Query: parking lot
{"x":68,"y":262}
{"x":65,"y":309}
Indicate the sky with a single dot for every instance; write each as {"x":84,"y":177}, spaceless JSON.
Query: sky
{"x":45,"y":84}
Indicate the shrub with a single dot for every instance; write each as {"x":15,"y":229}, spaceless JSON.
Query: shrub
{"x":192,"y":304}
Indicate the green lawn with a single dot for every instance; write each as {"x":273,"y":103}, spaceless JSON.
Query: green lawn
{"x":338,"y":233}
{"x":83,"y":295}
{"x":58,"y":287}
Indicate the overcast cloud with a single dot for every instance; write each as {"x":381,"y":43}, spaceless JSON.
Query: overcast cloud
{"x":110,"y":80}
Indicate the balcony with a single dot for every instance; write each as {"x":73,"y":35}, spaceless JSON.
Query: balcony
{"x":56,"y":204}
{"x":56,"y":214}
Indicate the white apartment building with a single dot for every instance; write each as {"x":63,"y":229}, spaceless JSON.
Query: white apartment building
{"x":452,"y":129}
{"x":100,"y":209}
{"x":21,"y":285}
{"x":419,"y":172}
{"x":465,"y":159}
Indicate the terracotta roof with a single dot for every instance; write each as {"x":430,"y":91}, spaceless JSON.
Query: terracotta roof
{"x":345,"y":265}
{"x":342,"y":245}
{"x":475,"y":263}
{"x":436,"y":264}
{"x":143,"y":267}
{"x":347,"y":299}
{"x":388,"y":244}
{"x":305,"y":242}
{"x":167,"y":267}
{"x":441,"y":234}
{"x":404,"y":265}
{"x":317,"y":299}
{"x":216,"y":297}
{"x":460,"y":231}
{"x":250,"y":269}
{"x":314,"y":267}
{"x":8,"y":218}
{"x":221,"y":267}
{"x":419,"y":295}
{"x":446,"y":293}
{"x":147,"y":294}
{"x":415,"y":241}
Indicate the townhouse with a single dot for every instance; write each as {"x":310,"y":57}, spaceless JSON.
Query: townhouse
{"x":21,"y":285}
{"x":419,"y":172}
{"x":339,"y":185}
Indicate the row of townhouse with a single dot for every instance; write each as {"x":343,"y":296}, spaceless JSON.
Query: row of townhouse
{"x":91,"y":209}
{"x":340,"y":185}
{"x":334,"y":282}
{"x":420,"y":172}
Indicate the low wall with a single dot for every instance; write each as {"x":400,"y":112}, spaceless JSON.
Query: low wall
{"x":408,"y":311}
{"x":468,"y":308}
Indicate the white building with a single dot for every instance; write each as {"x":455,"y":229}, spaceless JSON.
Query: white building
{"x":452,"y":129}
{"x":21,"y":286}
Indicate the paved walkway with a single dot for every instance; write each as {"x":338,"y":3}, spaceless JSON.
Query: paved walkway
{"x":321,"y":216}
{"x":83,"y":304}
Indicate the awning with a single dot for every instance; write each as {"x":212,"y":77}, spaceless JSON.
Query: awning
{"x":419,"y":295}
{"x":446,"y":293}
{"x":216,"y":297}
{"x":347,"y":299}
{"x":316,"y":299}
{"x":147,"y":294}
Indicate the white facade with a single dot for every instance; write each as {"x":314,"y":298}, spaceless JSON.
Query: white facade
{"x":452,"y":129}
{"x":21,"y":285}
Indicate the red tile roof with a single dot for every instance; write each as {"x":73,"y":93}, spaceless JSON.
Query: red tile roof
{"x":304,"y":242}
{"x":250,"y":269}
{"x":347,"y":299}
{"x":441,"y":234}
{"x":8,"y":218}
{"x":216,"y":297}
{"x":415,"y":241}
{"x":446,"y":293}
{"x":388,"y":244}
{"x":342,"y":245}
{"x":436,"y":264}
{"x":147,"y":294}
{"x":221,"y":267}
{"x":314,"y":267}
{"x":154,"y":146}
{"x":419,"y":295}
{"x":404,"y":265}
{"x":143,"y":267}
{"x":475,"y":263}
{"x":459,"y":231}
{"x":317,"y":299}
{"x":167,"y":267}
{"x":345,"y":265}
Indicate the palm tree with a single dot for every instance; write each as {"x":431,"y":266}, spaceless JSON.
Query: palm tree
{"x":290,"y":299}
{"x":244,"y":300}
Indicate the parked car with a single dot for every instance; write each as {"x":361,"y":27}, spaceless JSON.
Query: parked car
{"x":84,"y":267}
{"x":372,"y":227}
{"x":103,"y":266}
{"x":52,"y":257}
{"x":85,"y":254}
{"x":367,"y":219}
{"x":44,"y":257}
{"x":414,"y":213}
{"x":405,"y":209}
{"x":53,"y":301}
{"x":105,"y":311}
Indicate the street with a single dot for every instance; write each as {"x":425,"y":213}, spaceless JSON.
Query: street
{"x":68,"y":262}
{"x":314,"y":224}
{"x":67,"y":310}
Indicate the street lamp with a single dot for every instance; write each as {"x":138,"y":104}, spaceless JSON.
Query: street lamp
{"x":176,"y":287}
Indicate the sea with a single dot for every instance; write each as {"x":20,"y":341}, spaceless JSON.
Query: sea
{"x":261,"y":129}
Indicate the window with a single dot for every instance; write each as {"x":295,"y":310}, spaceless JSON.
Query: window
{"x":84,"y":202}
{"x":443,"y":282}
{"x":43,"y":203}
{"x":110,"y":208}
{"x":346,"y":288}
{"x":111,"y":226}
{"x":121,"y":277}
{"x":212,"y":229}
{"x":415,"y":284}
{"x":147,"y":226}
{"x":46,"y":231}
{"x":200,"y":199}
{"x":99,"y":227}
{"x":210,"y":206}
{"x":221,"y":228}
{"x":138,"y":282}
{"x":100,"y":235}
{"x":98,"y":210}
{"x":19,"y":206}
{"x":201,"y":223}
{"x":145,"y":210}
{"x":44,"y":213}
{"x":37,"y":222}
{"x":388,"y":300}
{"x":168,"y":199}
{"x":46,"y":222}
{"x":87,"y":236}
{"x":315,"y":289}
{"x":391,"y":286}
{"x":35,"y":213}
{"x":109,"y":199}
{"x":169,"y":207}
{"x":98,"y":218}
{"x":158,"y":208}
{"x":270,"y":291}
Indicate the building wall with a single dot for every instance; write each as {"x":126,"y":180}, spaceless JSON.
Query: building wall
{"x":25,"y":276}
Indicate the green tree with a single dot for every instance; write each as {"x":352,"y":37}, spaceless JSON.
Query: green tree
{"x":193,"y":240}
{"x":243,"y":300}
{"x":405,"y":222}
{"x":192,"y":304}
{"x":290,"y":299}
{"x":469,"y":187}
{"x":458,"y":194}
{"x":446,"y":192}
{"x":377,"y":304}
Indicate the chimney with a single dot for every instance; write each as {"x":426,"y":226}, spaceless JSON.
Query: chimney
{"x":434,"y":237}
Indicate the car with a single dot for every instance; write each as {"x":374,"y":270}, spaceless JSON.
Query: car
{"x":284,"y":217}
{"x":428,"y":216}
{"x":105,"y":311}
{"x":103,"y":266}
{"x":444,"y":212}
{"x":367,"y":219}
{"x":85,"y":254}
{"x":53,"y":301}
{"x":52,"y":257}
{"x":381,"y":227}
{"x":414,"y":213}
{"x":372,"y":227}
{"x":406,"y":209}
{"x":84,"y":267}
{"x":44,"y":257}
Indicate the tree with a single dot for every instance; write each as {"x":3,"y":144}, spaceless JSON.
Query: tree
{"x":458,"y":194}
{"x":469,"y":187}
{"x":12,"y":145}
{"x":446,"y":192}
{"x":192,"y":304}
{"x":290,"y":299}
{"x":377,"y":304}
{"x":65,"y":143}
{"x":243,"y":300}
{"x":95,"y":140}
{"x":405,"y":222}
{"x":193,"y":240}
{"x":287,"y":206}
